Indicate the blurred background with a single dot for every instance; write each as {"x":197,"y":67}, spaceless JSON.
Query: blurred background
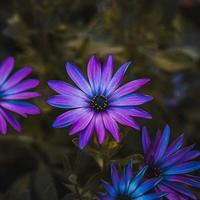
{"x":161,"y":37}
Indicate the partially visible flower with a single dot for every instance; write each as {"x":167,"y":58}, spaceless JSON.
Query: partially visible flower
{"x":13,"y":90}
{"x":126,"y":187}
{"x":172,"y":163}
{"x":100,"y":103}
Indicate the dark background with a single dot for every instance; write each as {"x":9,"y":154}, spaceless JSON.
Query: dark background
{"x":161,"y":37}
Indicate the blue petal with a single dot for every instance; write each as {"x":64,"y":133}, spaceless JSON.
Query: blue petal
{"x":183,"y":168}
{"x":110,"y":190}
{"x":162,"y":145}
{"x":146,"y":186}
{"x":136,"y":181}
{"x":151,"y":196}
{"x":115,"y":176}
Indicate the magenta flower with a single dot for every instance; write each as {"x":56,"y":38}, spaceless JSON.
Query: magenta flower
{"x":172,"y":163}
{"x":100,"y":103}
{"x":13,"y":90}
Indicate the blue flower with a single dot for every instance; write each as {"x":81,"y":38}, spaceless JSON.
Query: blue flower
{"x":127,"y":187}
{"x":172,"y":163}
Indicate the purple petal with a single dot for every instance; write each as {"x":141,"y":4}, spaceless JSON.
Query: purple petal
{"x":175,"y":158}
{"x":11,"y":120}
{"x":191,"y":155}
{"x":175,"y":146}
{"x":69,"y":101}
{"x":81,"y":122}
{"x":78,"y":78}
{"x":111,"y":126}
{"x":183,"y":168}
{"x":117,"y":78}
{"x":3,"y":125}
{"x":69,"y":117}
{"x":24,"y":85}
{"x":150,"y":155}
{"x":107,"y":72}
{"x":65,"y":89}
{"x":94,"y":73}
{"x":129,"y":87}
{"x":16,"y":78}
{"x":21,"y":108}
{"x":86,"y":134}
{"x":181,"y":190}
{"x":162,"y":145}
{"x":21,"y":96}
{"x":146,"y":141}
{"x":185,"y":179}
{"x":100,"y":129}
{"x":131,"y":100}
{"x":115,"y":177}
{"x":123,"y":119}
{"x":6,"y":68}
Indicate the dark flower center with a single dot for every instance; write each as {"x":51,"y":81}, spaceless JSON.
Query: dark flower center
{"x":124,"y":197}
{"x":154,"y":171}
{"x":99,"y":103}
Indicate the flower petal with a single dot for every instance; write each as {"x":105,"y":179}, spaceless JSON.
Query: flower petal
{"x":81,"y":122}
{"x":115,"y":177}
{"x":146,"y":141}
{"x":21,"y":96}
{"x":78,"y":78}
{"x":129,"y":87}
{"x":162,"y":145}
{"x":24,"y":85}
{"x":190,"y":180}
{"x":69,"y":117}
{"x":176,"y":157}
{"x":5,"y":69}
{"x":183,"y":168}
{"x":152,"y":196}
{"x":3,"y":125}
{"x":11,"y":120}
{"x":131,"y":100}
{"x":107,"y":72}
{"x":180,"y":190}
{"x":109,"y":189}
{"x":137,"y":180}
{"x":69,"y":101}
{"x":123,"y":119}
{"x":175,"y":146}
{"x":94,"y":73}
{"x":146,"y":186}
{"x":111,"y":126}
{"x":65,"y":89}
{"x":16,"y":78}
{"x":100,"y":129}
{"x":117,"y":78}
{"x":86,"y":134}
{"x":21,"y":108}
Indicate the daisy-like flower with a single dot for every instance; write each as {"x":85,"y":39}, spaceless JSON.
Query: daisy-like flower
{"x":171,"y":162}
{"x":126,"y":187}
{"x":13,"y":90}
{"x":100,"y":103}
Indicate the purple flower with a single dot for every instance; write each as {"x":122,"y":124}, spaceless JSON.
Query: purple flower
{"x":100,"y":103}
{"x":126,"y":187}
{"x":13,"y":90}
{"x":171,"y":162}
